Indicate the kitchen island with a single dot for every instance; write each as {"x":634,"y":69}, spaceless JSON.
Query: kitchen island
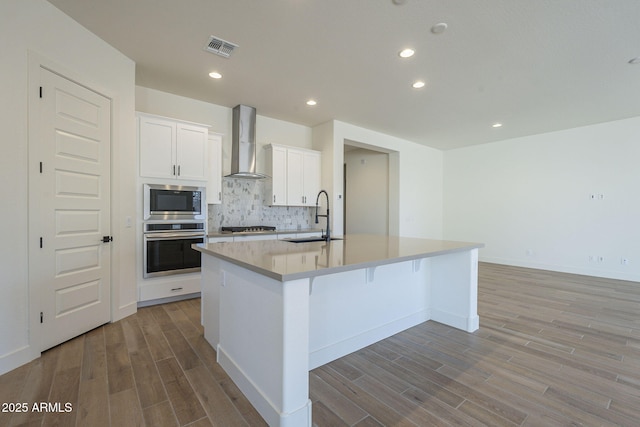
{"x":274,"y":310}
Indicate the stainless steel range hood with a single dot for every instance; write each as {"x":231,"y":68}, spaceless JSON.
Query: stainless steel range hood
{"x":243,"y":143}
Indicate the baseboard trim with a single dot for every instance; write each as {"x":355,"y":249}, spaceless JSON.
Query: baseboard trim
{"x":16,"y":358}
{"x":300,"y":417}
{"x":563,"y":269}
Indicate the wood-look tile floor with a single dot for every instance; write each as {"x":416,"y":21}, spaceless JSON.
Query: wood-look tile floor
{"x":552,"y":349}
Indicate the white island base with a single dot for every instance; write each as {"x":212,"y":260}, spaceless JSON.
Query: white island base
{"x":269,"y":332}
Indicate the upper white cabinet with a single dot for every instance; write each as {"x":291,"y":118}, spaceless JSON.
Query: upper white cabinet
{"x":172,"y":149}
{"x":277,"y":170}
{"x":295,"y":175}
{"x":311,"y":161}
{"x":214,"y":183}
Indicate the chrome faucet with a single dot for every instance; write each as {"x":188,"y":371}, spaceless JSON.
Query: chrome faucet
{"x":327,"y":236}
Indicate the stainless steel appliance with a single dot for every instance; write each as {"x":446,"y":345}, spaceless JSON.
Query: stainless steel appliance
{"x":247,"y":229}
{"x":174,"y":202}
{"x":243,"y":143}
{"x":167,"y":248}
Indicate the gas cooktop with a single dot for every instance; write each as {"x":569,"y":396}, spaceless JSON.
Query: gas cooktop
{"x":250,"y":229}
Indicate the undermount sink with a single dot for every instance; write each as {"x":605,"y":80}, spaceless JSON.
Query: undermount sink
{"x":310,"y":239}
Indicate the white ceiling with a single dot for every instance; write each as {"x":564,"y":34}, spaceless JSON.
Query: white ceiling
{"x":533,"y":65}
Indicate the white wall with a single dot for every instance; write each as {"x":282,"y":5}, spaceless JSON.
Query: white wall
{"x":367,"y":192}
{"x":36,"y":26}
{"x":529,"y":199}
{"x":268,"y":131}
{"x":415,"y":172}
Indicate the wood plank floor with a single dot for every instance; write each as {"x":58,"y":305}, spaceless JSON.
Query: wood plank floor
{"x":552,"y":349}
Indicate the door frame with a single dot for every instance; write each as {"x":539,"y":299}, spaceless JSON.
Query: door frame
{"x":35,"y":62}
{"x":393,"y":180}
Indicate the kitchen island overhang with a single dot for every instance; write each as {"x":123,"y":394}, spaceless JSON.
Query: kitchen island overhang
{"x":274,"y":310}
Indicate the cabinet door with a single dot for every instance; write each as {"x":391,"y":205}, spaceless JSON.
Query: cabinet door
{"x":295,"y":174}
{"x":191,"y":158}
{"x":214,"y":183}
{"x":278,"y":166}
{"x":157,"y":147}
{"x":311,"y":177}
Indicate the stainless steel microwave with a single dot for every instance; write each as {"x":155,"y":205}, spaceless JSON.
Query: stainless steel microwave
{"x":174,"y":202}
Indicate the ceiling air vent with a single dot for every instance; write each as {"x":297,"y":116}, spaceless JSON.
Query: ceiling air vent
{"x":220,"y":47}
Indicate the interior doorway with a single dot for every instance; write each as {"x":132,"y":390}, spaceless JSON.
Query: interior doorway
{"x":366,"y":190}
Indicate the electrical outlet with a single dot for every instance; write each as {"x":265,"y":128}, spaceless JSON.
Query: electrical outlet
{"x":600,"y":258}
{"x":624,"y":261}
{"x":592,"y":258}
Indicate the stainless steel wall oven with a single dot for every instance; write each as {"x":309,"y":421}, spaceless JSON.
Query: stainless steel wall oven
{"x":167,"y":248}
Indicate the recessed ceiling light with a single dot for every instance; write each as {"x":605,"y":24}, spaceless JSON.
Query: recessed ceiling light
{"x":439,"y":28}
{"x":496,"y":125}
{"x":418,"y":84}
{"x":215,"y":75}
{"x":406,"y":53}
{"x":635,"y":61}
{"x":311,"y":102}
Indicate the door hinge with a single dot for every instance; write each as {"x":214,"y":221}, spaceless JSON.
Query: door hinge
{"x":107,"y":239}
{"x":41,"y":243}
{"x":40,"y":91}
{"x":41,"y":317}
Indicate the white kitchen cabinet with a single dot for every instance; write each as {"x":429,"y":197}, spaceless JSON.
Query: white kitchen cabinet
{"x":277,"y":170}
{"x":311,"y":176}
{"x":172,"y":149}
{"x":295,"y":175}
{"x":160,"y":289}
{"x":214,"y":183}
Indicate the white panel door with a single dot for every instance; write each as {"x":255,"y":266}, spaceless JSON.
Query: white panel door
{"x":70,"y":263}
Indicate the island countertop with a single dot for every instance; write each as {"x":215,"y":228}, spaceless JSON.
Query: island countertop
{"x":283,"y":260}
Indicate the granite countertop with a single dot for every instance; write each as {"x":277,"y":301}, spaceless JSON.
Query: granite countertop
{"x":283,"y":260}
{"x":219,"y":233}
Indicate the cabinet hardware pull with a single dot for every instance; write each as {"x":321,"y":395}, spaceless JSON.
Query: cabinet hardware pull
{"x":178,"y":170}
{"x":174,"y":170}
{"x":274,"y":198}
{"x":176,"y":289}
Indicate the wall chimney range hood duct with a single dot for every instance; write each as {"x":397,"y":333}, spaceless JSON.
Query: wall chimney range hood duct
{"x":243,"y":143}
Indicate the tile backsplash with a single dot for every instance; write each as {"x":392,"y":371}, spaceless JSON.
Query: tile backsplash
{"x":243,"y":205}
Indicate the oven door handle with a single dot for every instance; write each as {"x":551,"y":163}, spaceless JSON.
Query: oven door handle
{"x":172,"y":236}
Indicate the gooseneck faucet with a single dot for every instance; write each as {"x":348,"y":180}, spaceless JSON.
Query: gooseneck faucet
{"x":327,"y":236}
